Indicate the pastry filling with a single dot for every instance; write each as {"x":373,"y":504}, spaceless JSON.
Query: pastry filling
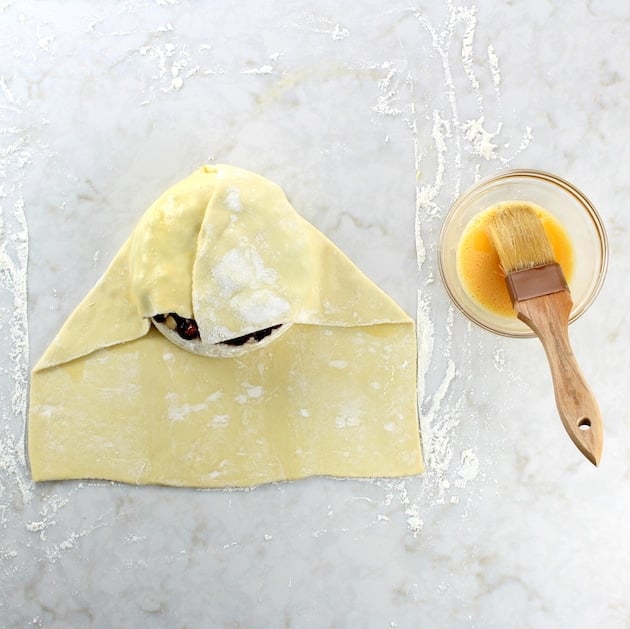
{"x":189,"y":330}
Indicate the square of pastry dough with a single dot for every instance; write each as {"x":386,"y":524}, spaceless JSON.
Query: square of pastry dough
{"x":229,"y":344}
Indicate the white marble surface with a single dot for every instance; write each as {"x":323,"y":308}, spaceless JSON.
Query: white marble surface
{"x":372,"y":116}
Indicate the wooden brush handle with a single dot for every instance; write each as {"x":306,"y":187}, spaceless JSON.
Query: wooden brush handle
{"x":548,"y":317}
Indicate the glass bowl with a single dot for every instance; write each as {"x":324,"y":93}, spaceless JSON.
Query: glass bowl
{"x":560,"y":198}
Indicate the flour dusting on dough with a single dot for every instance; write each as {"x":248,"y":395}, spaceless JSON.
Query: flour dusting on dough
{"x":250,"y":287}
{"x":221,"y":420}
{"x":253,"y":391}
{"x":233,"y":200}
{"x":338,"y":364}
{"x":177,"y":412}
{"x":343,"y":421}
{"x":241,"y":268}
{"x":260,"y":306}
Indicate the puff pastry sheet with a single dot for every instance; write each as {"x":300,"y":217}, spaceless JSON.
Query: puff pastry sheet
{"x":334,"y":394}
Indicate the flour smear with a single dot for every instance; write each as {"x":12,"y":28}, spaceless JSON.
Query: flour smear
{"x":456,"y":147}
{"x":16,"y":489}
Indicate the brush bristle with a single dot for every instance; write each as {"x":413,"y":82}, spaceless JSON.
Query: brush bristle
{"x":519,"y":238}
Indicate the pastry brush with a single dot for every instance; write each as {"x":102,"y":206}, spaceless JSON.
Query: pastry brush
{"x":542,"y":300}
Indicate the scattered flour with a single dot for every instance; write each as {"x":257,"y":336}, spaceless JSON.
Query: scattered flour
{"x":426,"y":194}
{"x":414,"y":521}
{"x":481,"y":140}
{"x":468,"y":15}
{"x":267,"y":68}
{"x":499,"y":359}
{"x":450,"y":466}
{"x":493,"y":60}
{"x":14,"y":250}
{"x":469,"y":467}
{"x":339,"y":32}
{"x":36,"y":527}
{"x":172,"y":63}
{"x":326,"y":26}
{"x":388,"y":91}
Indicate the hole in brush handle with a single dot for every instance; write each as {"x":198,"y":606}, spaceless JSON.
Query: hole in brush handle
{"x":584,"y":423}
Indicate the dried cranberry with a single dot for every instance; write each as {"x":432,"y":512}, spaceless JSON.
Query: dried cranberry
{"x":187,"y":328}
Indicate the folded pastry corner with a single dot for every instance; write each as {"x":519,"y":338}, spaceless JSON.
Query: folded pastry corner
{"x":228,"y":344}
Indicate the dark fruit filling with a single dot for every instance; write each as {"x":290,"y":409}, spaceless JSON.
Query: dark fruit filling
{"x":188,"y":329}
{"x":258,"y":335}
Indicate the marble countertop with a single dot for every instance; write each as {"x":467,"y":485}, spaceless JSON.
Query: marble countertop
{"x":373,"y":117}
